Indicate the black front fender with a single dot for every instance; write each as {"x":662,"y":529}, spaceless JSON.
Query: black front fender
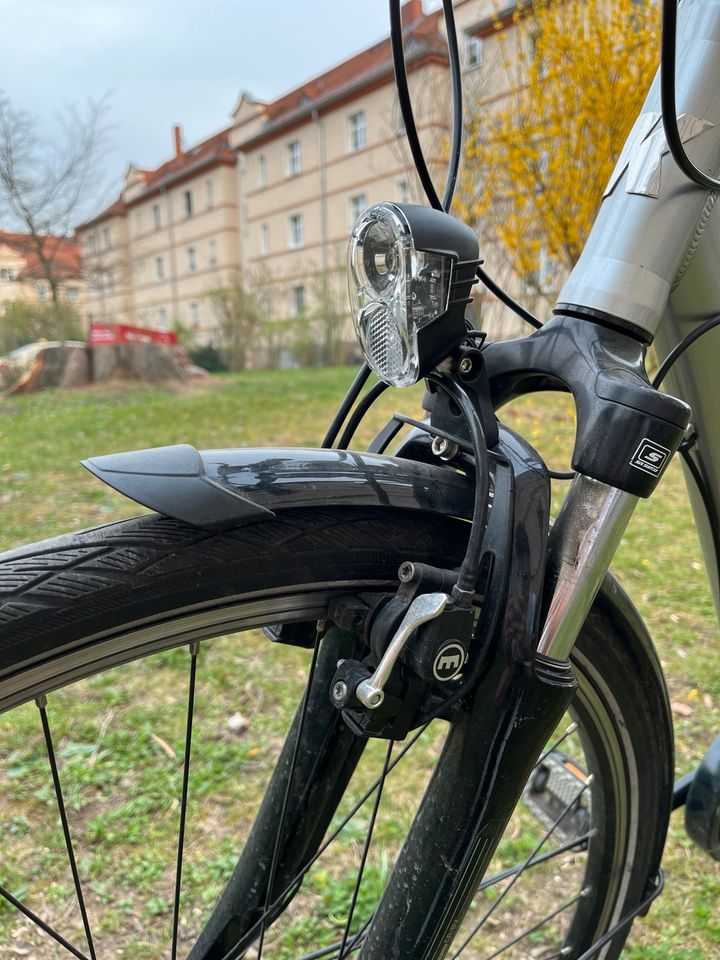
{"x":219,"y":489}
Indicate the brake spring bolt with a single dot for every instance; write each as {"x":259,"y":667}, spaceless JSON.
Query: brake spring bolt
{"x":339,"y":691}
{"x":465,"y":365}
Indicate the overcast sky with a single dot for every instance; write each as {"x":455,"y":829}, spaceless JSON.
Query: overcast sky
{"x":171,"y":61}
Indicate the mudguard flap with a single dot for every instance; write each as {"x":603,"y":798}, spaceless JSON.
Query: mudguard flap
{"x":219,"y":489}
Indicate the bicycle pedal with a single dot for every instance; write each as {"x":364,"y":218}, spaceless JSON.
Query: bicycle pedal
{"x":702,"y":808}
{"x":555,"y":785}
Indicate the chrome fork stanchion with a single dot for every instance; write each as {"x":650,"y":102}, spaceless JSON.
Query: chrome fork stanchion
{"x":581,"y":546}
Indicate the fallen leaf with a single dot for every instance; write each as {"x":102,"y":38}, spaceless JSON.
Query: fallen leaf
{"x":164,"y":746}
{"x":681,"y":709}
{"x":237,"y":723}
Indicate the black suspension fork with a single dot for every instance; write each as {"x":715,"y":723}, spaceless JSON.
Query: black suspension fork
{"x":626,"y":435}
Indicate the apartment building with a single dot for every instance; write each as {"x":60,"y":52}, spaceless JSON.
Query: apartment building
{"x":23,"y":275}
{"x":272,"y":198}
{"x":171,"y":236}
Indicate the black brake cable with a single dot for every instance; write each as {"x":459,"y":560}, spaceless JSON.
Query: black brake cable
{"x":679,"y":349}
{"x":668,"y":57}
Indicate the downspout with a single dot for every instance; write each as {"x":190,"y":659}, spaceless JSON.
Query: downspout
{"x":173,"y":256}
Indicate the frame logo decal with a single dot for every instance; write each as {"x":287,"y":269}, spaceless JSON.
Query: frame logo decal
{"x":448,"y":661}
{"x":650,"y":457}
{"x":644,"y":149}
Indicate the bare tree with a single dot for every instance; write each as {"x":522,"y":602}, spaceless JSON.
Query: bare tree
{"x":45,"y":184}
{"x":239,"y":315}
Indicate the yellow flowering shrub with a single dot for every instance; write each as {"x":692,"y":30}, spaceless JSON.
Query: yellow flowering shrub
{"x":574,"y":75}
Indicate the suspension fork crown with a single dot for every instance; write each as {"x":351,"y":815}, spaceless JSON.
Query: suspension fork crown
{"x":581,"y":546}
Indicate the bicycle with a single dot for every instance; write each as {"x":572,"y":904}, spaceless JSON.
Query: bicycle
{"x":428,"y":586}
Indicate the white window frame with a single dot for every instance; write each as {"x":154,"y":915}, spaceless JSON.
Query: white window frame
{"x":357,"y":131}
{"x":264,"y":238}
{"x":294,"y":158}
{"x":403,"y":191}
{"x":210,"y":193}
{"x":162,"y":318}
{"x":357,"y":203}
{"x":474,"y":52}
{"x":159,"y":268}
{"x":212,"y":252}
{"x":192,"y":259}
{"x":262,"y":171}
{"x":188,"y":203}
{"x":297,"y":231}
{"x":194,"y":313}
{"x":299,"y":301}
{"x":157,"y":216}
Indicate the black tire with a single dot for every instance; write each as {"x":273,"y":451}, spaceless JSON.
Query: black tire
{"x":78,"y":604}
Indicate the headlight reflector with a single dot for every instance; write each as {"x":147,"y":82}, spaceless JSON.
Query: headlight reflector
{"x":398,"y":290}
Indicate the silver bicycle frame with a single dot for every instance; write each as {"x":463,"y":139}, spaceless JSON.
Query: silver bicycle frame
{"x":652,"y":261}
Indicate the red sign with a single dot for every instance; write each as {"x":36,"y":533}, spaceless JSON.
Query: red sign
{"x":108,"y":334}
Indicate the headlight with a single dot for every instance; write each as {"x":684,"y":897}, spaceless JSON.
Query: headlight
{"x":411,"y":270}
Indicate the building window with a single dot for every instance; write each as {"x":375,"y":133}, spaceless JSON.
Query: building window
{"x":6,"y":275}
{"x":42,"y":289}
{"x":210,"y":194}
{"x":358,"y":203}
{"x":192,"y":259}
{"x":71,"y":294}
{"x":212,"y":252}
{"x":264,"y":238}
{"x":473,"y":52}
{"x":162,"y":318}
{"x":297,"y":230}
{"x":194,"y":314}
{"x":156,"y":216}
{"x":404,"y":192}
{"x":298,"y":294}
{"x":294,"y":159}
{"x":106,"y":238}
{"x":110,"y":282}
{"x":159,"y":268}
{"x":356,"y":130}
{"x":187,"y":203}
{"x":91,"y":243}
{"x":138,"y":221}
{"x":262,"y":170}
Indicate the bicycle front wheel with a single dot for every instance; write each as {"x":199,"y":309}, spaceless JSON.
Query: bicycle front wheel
{"x":142,"y":703}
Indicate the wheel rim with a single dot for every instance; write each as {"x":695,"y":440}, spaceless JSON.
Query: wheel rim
{"x":193,"y":626}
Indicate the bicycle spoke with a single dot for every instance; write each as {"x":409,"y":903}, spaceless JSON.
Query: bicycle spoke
{"x":290,"y":889}
{"x":366,"y":848}
{"x":541,"y":923}
{"x":506,"y":890}
{"x":543,"y":858}
{"x":13,"y":901}
{"x":42,"y":707}
{"x":551,"y":749}
{"x":288,"y":787}
{"x":194,"y":650}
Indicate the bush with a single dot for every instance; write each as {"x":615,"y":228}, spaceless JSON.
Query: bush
{"x":22,"y":323}
{"x":209,"y":358}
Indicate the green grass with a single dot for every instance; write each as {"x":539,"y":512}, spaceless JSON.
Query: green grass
{"x":120,"y":742}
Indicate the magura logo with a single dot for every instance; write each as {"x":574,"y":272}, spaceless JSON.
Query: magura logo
{"x":448,"y":662}
{"x":650,"y":457}
{"x":643,"y":152}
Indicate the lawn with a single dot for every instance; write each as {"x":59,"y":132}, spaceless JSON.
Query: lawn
{"x":103,"y":734}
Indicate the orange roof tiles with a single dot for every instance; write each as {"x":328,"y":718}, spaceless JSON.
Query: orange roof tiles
{"x":62,"y":252}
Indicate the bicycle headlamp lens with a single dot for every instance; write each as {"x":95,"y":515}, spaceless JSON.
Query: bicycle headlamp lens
{"x":398,"y":290}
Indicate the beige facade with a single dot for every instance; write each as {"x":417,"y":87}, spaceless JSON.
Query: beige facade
{"x":152,"y":258}
{"x":22,"y":277}
{"x":271,"y":200}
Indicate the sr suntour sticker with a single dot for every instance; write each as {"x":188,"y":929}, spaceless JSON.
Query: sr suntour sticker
{"x":650,"y":457}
